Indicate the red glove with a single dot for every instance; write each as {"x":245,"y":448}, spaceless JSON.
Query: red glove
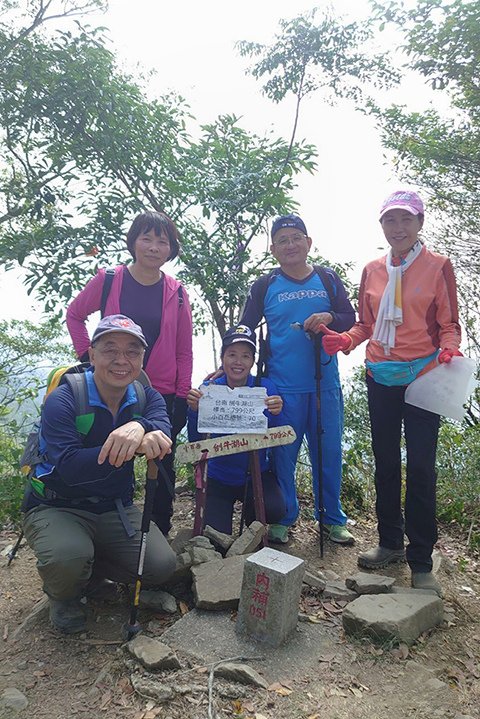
{"x":333,"y":342}
{"x":446,"y":355}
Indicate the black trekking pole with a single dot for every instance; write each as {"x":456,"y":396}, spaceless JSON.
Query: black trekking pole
{"x":13,"y":552}
{"x":133,"y":627}
{"x":317,"y":338}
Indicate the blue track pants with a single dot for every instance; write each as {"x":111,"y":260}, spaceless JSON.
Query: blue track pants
{"x":300,"y":411}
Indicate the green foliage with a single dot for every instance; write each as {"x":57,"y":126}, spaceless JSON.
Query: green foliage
{"x":358,"y":468}
{"x":85,"y":149}
{"x":12,"y":481}
{"x":24,"y":349}
{"x":458,"y":488}
{"x":309,"y":54}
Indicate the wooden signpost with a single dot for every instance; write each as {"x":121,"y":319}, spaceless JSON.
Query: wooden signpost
{"x":200,"y":451}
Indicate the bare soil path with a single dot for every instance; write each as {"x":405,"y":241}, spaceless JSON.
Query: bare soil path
{"x":88,"y":676}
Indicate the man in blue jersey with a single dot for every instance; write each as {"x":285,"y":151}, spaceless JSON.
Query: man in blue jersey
{"x":294,"y":294}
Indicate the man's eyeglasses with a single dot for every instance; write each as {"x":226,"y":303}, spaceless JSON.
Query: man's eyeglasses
{"x":113,"y":354}
{"x":286,"y":241}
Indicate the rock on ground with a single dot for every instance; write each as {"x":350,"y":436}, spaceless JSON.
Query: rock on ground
{"x":13,"y":700}
{"x":158,"y":600}
{"x":248,"y":540}
{"x":152,"y":653}
{"x":364,"y":583}
{"x":385,"y":617}
{"x":217,"y":584}
{"x":239,"y":672}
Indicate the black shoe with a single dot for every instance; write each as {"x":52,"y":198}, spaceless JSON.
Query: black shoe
{"x":379,"y":557}
{"x":67,"y":615}
{"x":100,"y":589}
{"x":426,"y":580}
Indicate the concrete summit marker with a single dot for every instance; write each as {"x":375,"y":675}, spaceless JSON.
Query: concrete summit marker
{"x":271,"y":587}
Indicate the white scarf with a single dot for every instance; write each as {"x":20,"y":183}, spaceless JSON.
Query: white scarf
{"x":390,"y":312}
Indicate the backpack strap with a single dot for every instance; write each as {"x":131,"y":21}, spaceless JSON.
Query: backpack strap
{"x":139,"y":407}
{"x":107,"y":286}
{"x":78,"y":385}
{"x":327,"y":283}
{"x":181,"y":300}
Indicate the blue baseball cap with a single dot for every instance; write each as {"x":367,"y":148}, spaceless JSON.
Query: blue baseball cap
{"x":288,"y":221}
{"x":240,"y":333}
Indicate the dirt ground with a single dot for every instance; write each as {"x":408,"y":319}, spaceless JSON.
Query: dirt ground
{"x":88,"y":676}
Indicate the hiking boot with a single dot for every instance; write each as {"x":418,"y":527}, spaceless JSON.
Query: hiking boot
{"x":426,"y":580}
{"x":379,"y":557}
{"x":338,"y":533}
{"x":100,"y":589}
{"x":278,"y":533}
{"x":67,"y":615}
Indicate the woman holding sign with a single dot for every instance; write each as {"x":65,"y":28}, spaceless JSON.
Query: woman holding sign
{"x":228,"y":477}
{"x":408,"y":313}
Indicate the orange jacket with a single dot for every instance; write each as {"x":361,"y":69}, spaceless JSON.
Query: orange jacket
{"x":429,"y":304}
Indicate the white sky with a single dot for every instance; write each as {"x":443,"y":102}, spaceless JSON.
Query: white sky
{"x":191,"y":47}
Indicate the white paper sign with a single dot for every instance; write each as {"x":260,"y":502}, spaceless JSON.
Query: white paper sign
{"x":222,"y":410}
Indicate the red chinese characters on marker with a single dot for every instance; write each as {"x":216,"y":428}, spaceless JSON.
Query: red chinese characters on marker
{"x":260,"y":596}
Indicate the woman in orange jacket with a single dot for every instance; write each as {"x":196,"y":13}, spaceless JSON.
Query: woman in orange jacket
{"x":408,"y":313}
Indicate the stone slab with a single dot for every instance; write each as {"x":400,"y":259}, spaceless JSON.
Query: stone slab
{"x":217,"y":584}
{"x":386,"y":617}
{"x":248,"y":540}
{"x":316,"y":581}
{"x":219,"y":539}
{"x":364,"y":583}
{"x":337,"y":589}
{"x":209,"y":637}
{"x":270,"y":596}
{"x":152,"y":653}
{"x":180,"y":540}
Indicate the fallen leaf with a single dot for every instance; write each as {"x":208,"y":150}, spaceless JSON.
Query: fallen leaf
{"x":183,"y":607}
{"x":125,"y":685}
{"x":313,"y":716}
{"x":106,"y":699}
{"x":248,"y":706}
{"x":279,"y":689}
{"x":201,"y":670}
{"x":332,"y":608}
{"x":260,"y":716}
{"x":456,"y":676}
{"x":355,"y":691}
{"x":237,"y":707}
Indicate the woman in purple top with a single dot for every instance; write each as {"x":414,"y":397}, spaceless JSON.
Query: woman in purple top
{"x":159,"y":304}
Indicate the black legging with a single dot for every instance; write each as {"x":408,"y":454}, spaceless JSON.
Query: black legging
{"x":165,"y":494}
{"x":221,"y":497}
{"x":387,"y":409}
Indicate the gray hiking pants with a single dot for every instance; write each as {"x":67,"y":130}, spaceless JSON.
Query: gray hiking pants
{"x":68,"y":542}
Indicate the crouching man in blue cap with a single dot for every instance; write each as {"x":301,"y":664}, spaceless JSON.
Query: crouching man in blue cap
{"x":80,"y":519}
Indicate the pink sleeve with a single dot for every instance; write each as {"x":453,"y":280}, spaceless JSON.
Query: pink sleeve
{"x":184,"y":348}
{"x":447,"y":308}
{"x":84,"y":304}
